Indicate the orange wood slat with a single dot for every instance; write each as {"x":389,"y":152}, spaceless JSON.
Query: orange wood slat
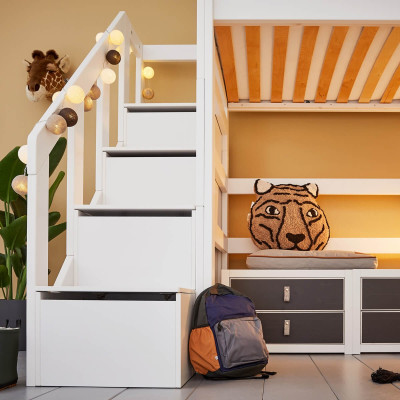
{"x":364,"y":42}
{"x":281,"y":34}
{"x":383,"y":58}
{"x":392,"y":87}
{"x":332,"y":54}
{"x":223,"y":36}
{"x":303,"y":68}
{"x":253,"y":62}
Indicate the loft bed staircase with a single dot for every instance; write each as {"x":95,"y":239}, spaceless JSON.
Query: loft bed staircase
{"x":119,"y":310}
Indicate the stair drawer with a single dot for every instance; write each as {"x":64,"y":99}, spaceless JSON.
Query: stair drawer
{"x":292,"y":294}
{"x":145,"y":250}
{"x":380,"y":327}
{"x":150,"y":181}
{"x":161,"y":130}
{"x":114,"y":343}
{"x":312,"y":328}
{"x":382,"y":293}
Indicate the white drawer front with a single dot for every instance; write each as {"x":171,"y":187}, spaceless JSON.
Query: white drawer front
{"x":150,"y":181}
{"x":144,"y":252}
{"x":161,"y":131}
{"x":108,"y":343}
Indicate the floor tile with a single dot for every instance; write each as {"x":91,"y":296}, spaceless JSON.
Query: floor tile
{"x":162,"y":394}
{"x":296,"y":378}
{"x":385,"y":361}
{"x":350,"y":379}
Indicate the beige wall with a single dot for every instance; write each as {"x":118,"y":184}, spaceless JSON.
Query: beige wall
{"x":320,"y":145}
{"x":70,"y":28}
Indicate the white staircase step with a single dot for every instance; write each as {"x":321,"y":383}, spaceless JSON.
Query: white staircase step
{"x":160,"y":107}
{"x":170,"y":126}
{"x":147,"y":249}
{"x":133,"y":152}
{"x":152,"y":288}
{"x":105,"y":209}
{"x":138,"y":182}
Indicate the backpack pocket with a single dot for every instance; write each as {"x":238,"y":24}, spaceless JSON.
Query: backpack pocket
{"x":240,"y":341}
{"x":202,"y":350}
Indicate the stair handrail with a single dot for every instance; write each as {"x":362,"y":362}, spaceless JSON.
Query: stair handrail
{"x":40,"y":143}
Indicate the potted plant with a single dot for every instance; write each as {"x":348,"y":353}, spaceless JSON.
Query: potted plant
{"x":13,"y":229}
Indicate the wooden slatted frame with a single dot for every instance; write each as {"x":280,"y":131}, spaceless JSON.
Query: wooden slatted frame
{"x":253,"y":62}
{"x":332,"y":54}
{"x":223,"y":36}
{"x":303,"y":68}
{"x":363,"y":44}
{"x":392,"y":87}
{"x":281,"y":34}
{"x":383,"y":58}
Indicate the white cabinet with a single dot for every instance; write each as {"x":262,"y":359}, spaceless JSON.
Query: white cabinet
{"x":138,"y":182}
{"x":138,"y":251}
{"x":116,"y":342}
{"x":161,"y":130}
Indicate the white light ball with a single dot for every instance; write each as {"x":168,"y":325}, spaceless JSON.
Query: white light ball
{"x":55,"y":95}
{"x":23,"y":154}
{"x":75,"y":94}
{"x":116,"y":37}
{"x":20,"y":185}
{"x":108,"y":76}
{"x":98,"y":36}
{"x":148,"y":72}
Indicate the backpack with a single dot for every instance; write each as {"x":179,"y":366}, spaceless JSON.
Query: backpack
{"x":226,"y":340}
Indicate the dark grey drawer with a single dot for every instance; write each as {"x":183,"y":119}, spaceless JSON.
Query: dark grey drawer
{"x":381,"y":294}
{"x":380,"y":327}
{"x":305,"y":294}
{"x":304,"y":327}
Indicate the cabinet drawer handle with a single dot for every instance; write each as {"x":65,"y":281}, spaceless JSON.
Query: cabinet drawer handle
{"x":286,"y":327}
{"x":286,"y":294}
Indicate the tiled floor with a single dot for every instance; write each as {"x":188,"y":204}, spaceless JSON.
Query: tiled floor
{"x":300,"y":377}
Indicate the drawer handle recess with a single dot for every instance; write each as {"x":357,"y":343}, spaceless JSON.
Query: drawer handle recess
{"x":286,"y":294}
{"x":286,"y":327}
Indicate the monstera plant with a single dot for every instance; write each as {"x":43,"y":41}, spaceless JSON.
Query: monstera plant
{"x":13,"y":220}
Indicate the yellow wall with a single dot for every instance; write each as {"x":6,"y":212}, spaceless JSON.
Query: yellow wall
{"x":70,"y":28}
{"x":320,"y":145}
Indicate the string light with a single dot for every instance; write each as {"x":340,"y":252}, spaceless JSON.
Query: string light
{"x":56,"y":124}
{"x":116,"y":38}
{"x":87,"y":103}
{"x":108,"y":76}
{"x":75,"y":94}
{"x":23,"y":154}
{"x":20,"y":185}
{"x":148,"y":72}
{"x":98,"y":36}
{"x":55,"y":95}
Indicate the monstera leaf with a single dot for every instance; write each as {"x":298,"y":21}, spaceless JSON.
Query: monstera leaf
{"x":56,"y":230}
{"x":10,"y":167}
{"x":54,"y":186}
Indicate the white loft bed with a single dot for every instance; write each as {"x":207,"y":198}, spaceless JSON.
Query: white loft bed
{"x":307,"y":56}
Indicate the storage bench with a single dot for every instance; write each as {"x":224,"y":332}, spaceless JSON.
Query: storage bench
{"x":114,"y":339}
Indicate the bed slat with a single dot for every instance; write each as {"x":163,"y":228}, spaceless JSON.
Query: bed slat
{"x":380,"y":64}
{"x":364,"y":42}
{"x":332,"y":54}
{"x":253,"y":62}
{"x":225,"y":47}
{"x":392,"y":87}
{"x":281,"y":34}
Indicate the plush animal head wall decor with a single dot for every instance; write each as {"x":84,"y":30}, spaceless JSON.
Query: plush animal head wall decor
{"x":45,"y":74}
{"x":287,"y":217}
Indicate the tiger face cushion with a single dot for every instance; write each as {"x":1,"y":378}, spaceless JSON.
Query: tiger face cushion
{"x":287,"y":217}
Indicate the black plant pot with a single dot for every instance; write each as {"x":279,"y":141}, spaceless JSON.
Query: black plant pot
{"x":9,"y":338}
{"x":14,"y":311}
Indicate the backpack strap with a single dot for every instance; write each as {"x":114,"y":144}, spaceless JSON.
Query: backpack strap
{"x":262,"y":375}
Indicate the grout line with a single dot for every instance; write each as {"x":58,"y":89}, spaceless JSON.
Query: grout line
{"x":263,"y":390}
{"x":122,"y":391}
{"x":196,"y":387}
{"x":323,"y":376}
{"x":42,"y":394}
